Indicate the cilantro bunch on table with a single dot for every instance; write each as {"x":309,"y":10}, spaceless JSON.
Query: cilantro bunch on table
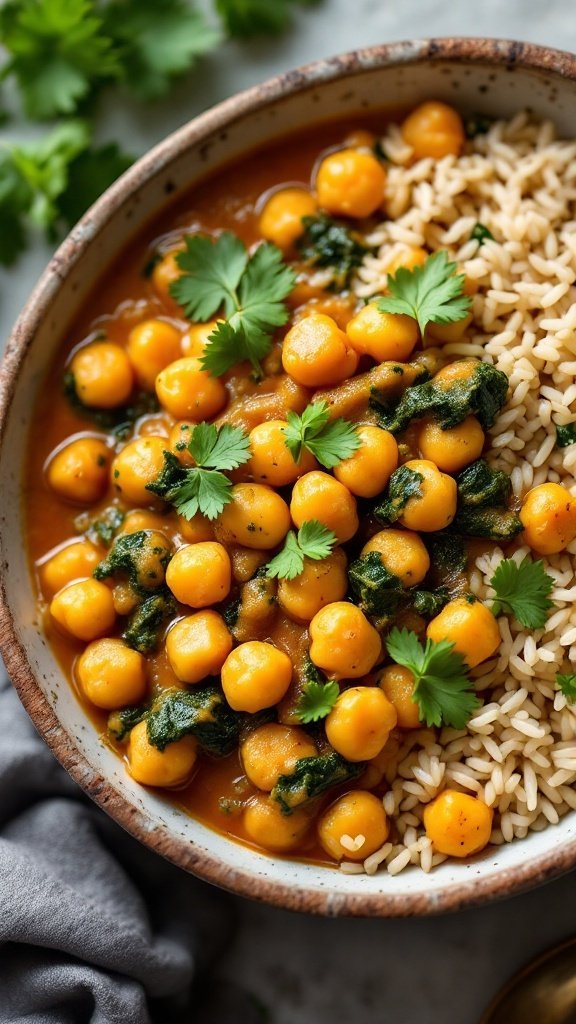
{"x":61,"y":55}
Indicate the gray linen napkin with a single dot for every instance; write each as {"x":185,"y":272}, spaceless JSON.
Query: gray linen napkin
{"x":93,"y":927}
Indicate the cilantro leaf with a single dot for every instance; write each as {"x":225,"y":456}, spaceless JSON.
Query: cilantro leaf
{"x":567,"y":684}
{"x":313,"y":541}
{"x":442,"y":689}
{"x":246,"y":18}
{"x":429,"y":293}
{"x":158,"y":41}
{"x":330,"y":441}
{"x":16,"y":197}
{"x":522,"y":590}
{"x":249,"y":290}
{"x":316,"y":700}
{"x":204,"y":487}
{"x":58,"y":50}
{"x":89,"y":175}
{"x":44,"y":167}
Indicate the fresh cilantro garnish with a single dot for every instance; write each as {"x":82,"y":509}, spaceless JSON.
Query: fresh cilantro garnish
{"x":203,"y":487}
{"x":249,"y":290}
{"x":565,"y":434}
{"x":522,"y":590}
{"x":480,"y":233}
{"x":330,"y":441}
{"x":157,"y":42}
{"x":58,"y":50}
{"x":313,"y":540}
{"x":567,"y":684}
{"x":316,"y":700}
{"x":432,"y":292}
{"x":247,"y":18}
{"x":442,"y":689}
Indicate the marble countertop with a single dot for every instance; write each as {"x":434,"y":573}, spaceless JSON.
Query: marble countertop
{"x":312,"y":970}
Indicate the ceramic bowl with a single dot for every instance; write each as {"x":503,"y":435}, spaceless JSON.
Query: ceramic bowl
{"x":488,"y":76}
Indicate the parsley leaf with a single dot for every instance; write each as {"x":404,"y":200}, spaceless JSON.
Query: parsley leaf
{"x":58,"y":50}
{"x":249,"y":289}
{"x":330,"y":441}
{"x":522,"y":590}
{"x":430,"y":293}
{"x":313,"y":541}
{"x":158,"y":41}
{"x":567,"y":684}
{"x":442,"y":689}
{"x":204,"y":487}
{"x":316,"y":700}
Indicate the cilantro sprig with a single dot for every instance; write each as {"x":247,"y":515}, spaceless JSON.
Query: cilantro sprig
{"x":316,"y":700}
{"x":567,"y":683}
{"x":442,"y":688}
{"x":247,"y":18}
{"x":522,"y":590}
{"x":221,"y":275}
{"x":203,"y":487}
{"x":329,"y":441}
{"x":432,"y":292}
{"x":313,"y":540}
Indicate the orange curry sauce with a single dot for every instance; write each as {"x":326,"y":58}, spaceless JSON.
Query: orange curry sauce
{"x":124,"y":298}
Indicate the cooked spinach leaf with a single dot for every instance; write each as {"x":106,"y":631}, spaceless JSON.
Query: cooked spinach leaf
{"x":565,"y":435}
{"x":331,"y":243}
{"x":429,"y":602}
{"x":120,"y":421}
{"x":500,"y":524}
{"x":479,"y":485}
{"x":376,"y":590}
{"x":121,"y":722}
{"x":139,"y":557}
{"x":311,"y":777}
{"x":480,"y":233}
{"x":144,"y":625}
{"x":100,"y":529}
{"x":201,"y":712}
{"x":403,"y":485}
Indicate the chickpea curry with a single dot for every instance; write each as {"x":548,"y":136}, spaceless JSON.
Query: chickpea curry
{"x":251,"y":499}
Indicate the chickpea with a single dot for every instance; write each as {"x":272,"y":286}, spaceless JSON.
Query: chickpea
{"x":403,"y":554}
{"x":383,"y":336}
{"x":316,"y":352}
{"x":548,"y":515}
{"x":360,"y":723}
{"x":165,"y":272}
{"x":354,"y":826}
{"x":448,"y":334}
{"x":255,"y":676}
{"x":103,"y":375}
{"x":369,"y":469}
{"x":470,"y":626}
{"x":188,"y":392}
{"x":350,"y":183}
{"x":70,"y":563}
{"x":272,"y":750}
{"x":79,"y":471}
{"x":408,"y":256}
{"x":281,"y":217}
{"x":397,"y":683}
{"x":461,"y":370}
{"x":272,"y":462}
{"x":359,"y":138}
{"x":111,"y":675}
{"x":434,"y":129}
{"x":319,"y":496}
{"x":195,"y":530}
{"x":194,"y":341}
{"x":246,"y":562}
{"x":152,"y":767}
{"x":256,"y":517}
{"x":265,"y":825}
{"x":320,"y":583}
{"x":435,"y":507}
{"x":454,"y":448}
{"x":137,"y":465}
{"x":141,"y":519}
{"x":152,"y":345}
{"x":84,"y":610}
{"x":200,"y":574}
{"x":344,"y":644}
{"x":458,"y":824}
{"x":198,"y":646}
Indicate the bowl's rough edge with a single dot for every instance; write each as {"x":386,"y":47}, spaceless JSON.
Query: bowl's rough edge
{"x":474,"y":891}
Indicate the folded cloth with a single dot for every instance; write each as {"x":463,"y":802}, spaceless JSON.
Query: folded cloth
{"x":93,"y":927}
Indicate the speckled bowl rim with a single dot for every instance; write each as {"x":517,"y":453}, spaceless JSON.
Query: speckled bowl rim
{"x":507,"y":53}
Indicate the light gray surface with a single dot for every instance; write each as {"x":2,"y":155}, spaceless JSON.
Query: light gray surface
{"x":313,"y":971}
